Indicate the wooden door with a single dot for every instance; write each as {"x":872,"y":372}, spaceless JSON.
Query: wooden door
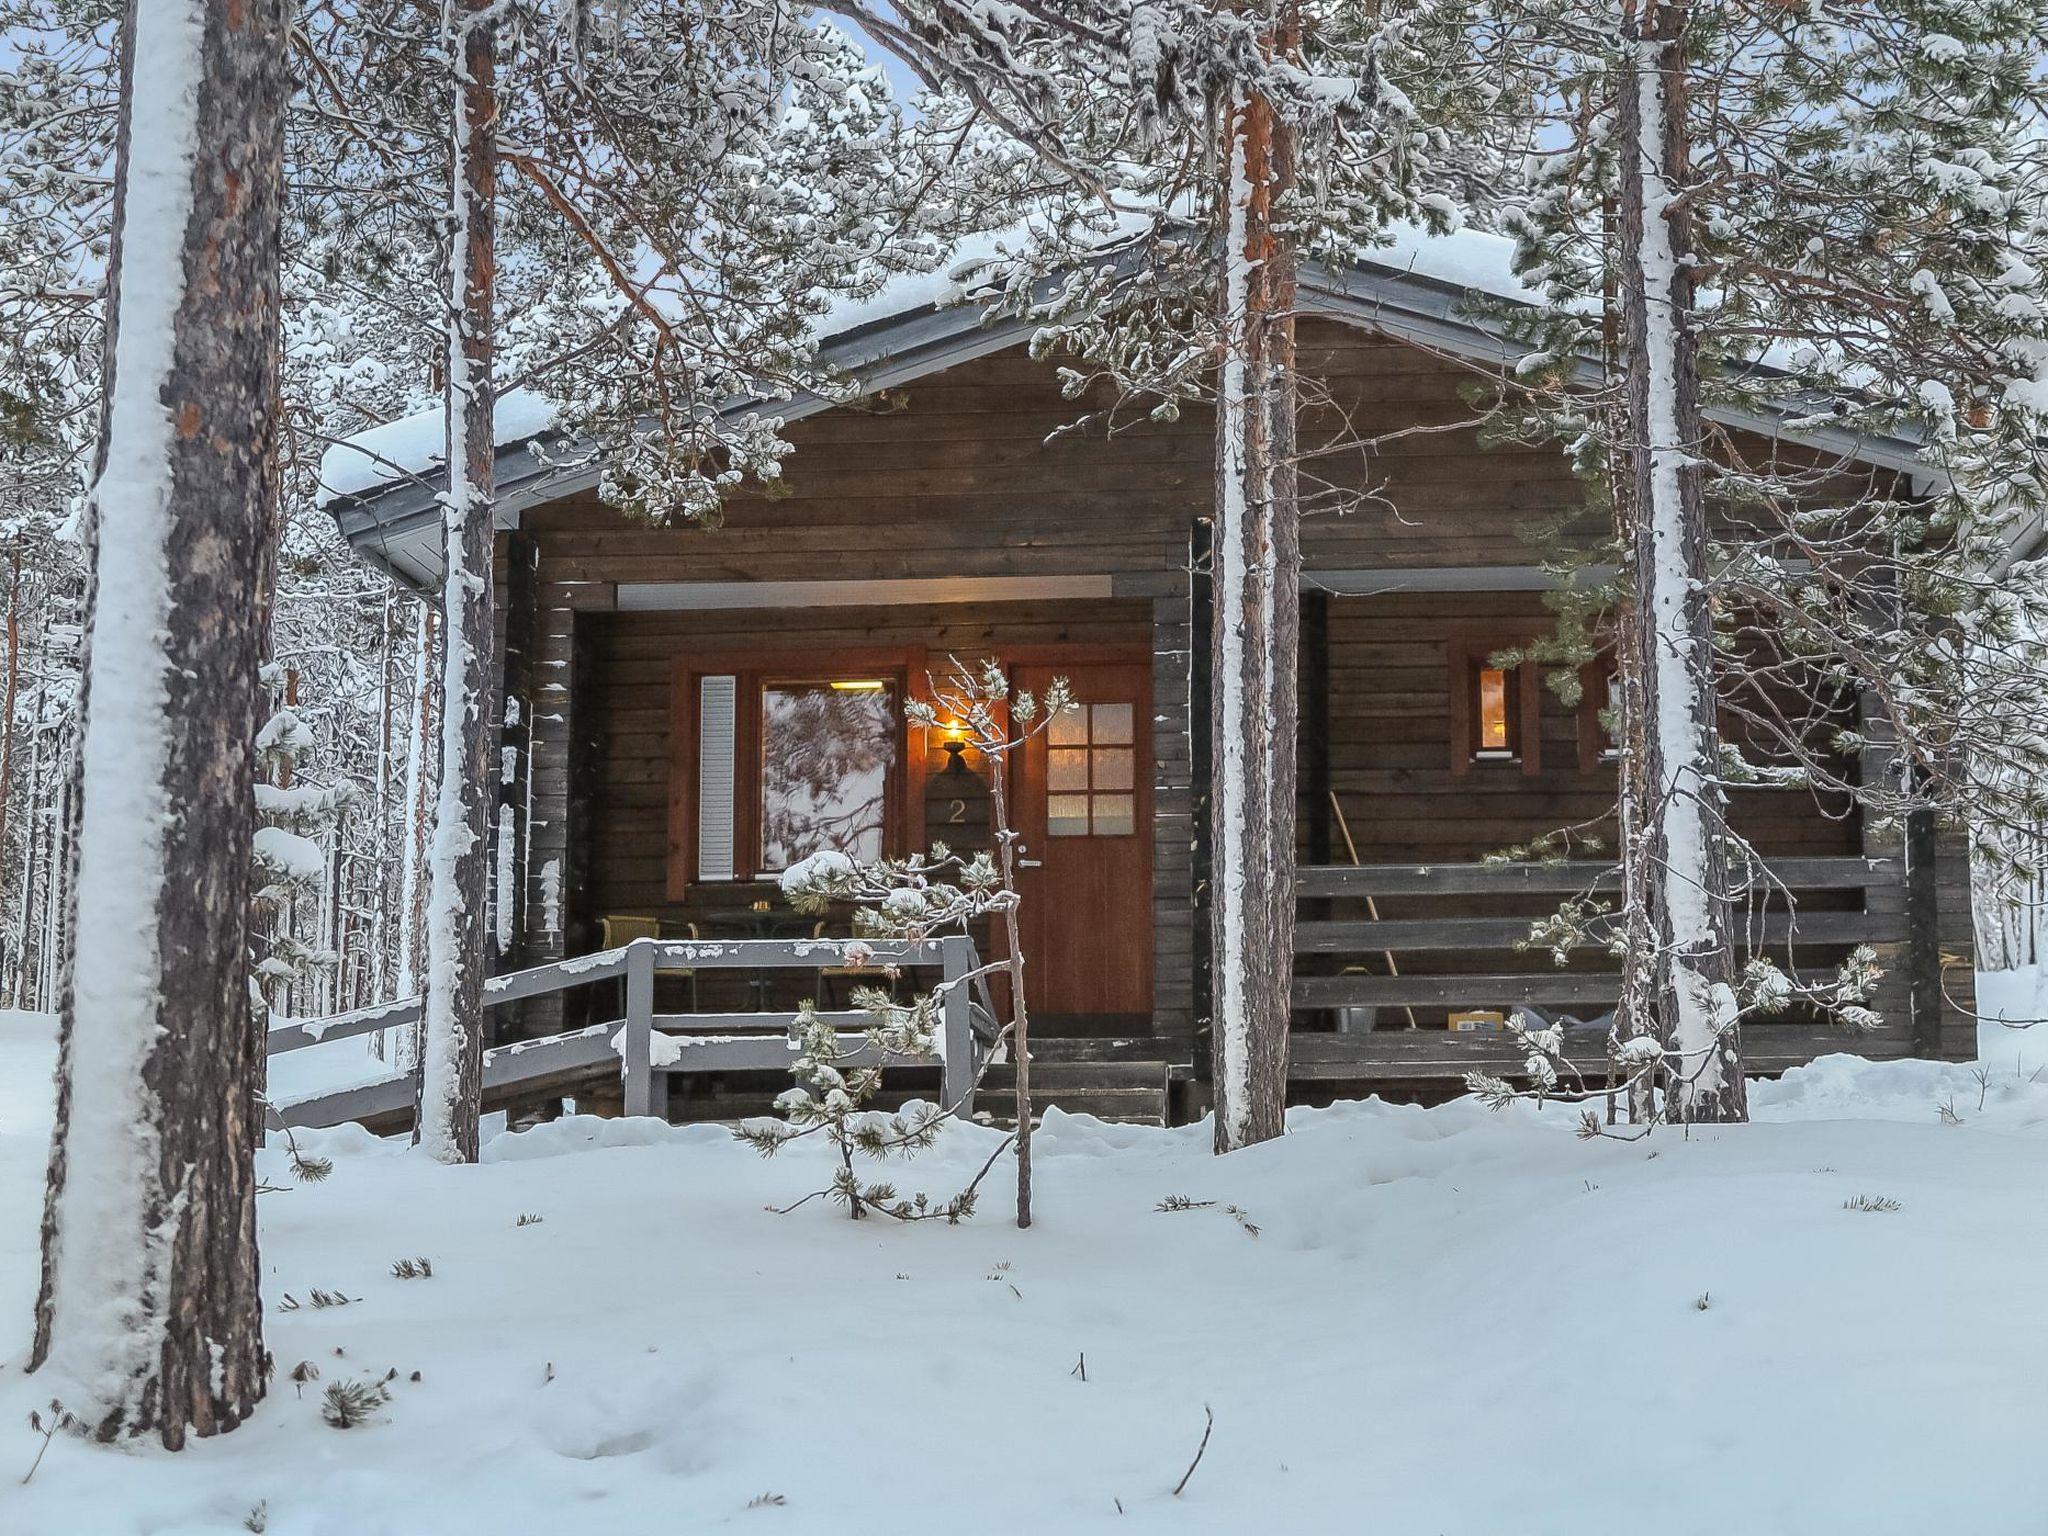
{"x":1083,"y":808}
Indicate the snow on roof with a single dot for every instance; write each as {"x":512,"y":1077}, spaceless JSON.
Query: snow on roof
{"x":414,"y":445}
{"x":1472,"y":259}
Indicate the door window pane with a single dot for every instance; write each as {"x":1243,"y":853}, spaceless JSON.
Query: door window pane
{"x":827,"y":749}
{"x":1069,"y":728}
{"x":1115,"y":815}
{"x":1066,"y":815}
{"x":1065,"y":769}
{"x":1112,"y":725}
{"x":1113,"y":768}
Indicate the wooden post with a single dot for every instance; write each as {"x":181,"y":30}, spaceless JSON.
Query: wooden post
{"x":956,"y":1028}
{"x":1201,"y":789}
{"x":1315,"y":725}
{"x":515,"y":755}
{"x":1923,"y":934}
{"x":638,"y":1045}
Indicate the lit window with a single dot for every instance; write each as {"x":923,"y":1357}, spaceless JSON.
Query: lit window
{"x":1496,"y":712}
{"x":827,"y":751}
{"x":1494,"y":730}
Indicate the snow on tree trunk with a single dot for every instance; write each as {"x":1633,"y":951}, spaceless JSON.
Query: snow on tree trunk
{"x":148,"y":1318}
{"x":1257,"y":584}
{"x":419,"y":775}
{"x":9,"y":693}
{"x":1683,"y":865}
{"x":452,"y":1030}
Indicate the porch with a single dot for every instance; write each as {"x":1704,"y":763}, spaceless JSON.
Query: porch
{"x":694,"y":775}
{"x":1405,"y":972}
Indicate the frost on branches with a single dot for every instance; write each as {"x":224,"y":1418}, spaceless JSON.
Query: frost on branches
{"x":296,"y":816}
{"x":921,"y":897}
{"x":1831,"y":220}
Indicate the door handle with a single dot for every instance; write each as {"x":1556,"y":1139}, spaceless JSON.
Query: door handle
{"x":1031,"y":863}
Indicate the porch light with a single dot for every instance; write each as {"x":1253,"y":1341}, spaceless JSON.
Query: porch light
{"x":860,"y":685}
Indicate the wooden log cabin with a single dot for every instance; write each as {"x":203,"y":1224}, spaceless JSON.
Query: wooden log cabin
{"x":697,"y":707}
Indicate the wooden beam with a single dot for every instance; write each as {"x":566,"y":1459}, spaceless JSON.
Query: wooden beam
{"x":1448,"y":578}
{"x":1201,"y":769}
{"x":1487,"y":991}
{"x":719,"y":596}
{"x":1462,"y":933}
{"x":1847,"y":872}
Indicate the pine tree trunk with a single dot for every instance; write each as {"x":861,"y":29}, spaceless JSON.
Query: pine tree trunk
{"x":148,"y":1317}
{"x":1257,"y":584}
{"x":412,"y":890}
{"x":452,"y":1037}
{"x":1683,"y":874}
{"x":26,"y":939}
{"x":8,"y":695}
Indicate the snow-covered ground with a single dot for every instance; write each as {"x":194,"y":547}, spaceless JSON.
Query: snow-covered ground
{"x":1450,"y":1321}
{"x":2012,"y":1019}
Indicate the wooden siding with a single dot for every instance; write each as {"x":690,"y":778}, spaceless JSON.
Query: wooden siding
{"x":1391,"y":727}
{"x":961,"y":475}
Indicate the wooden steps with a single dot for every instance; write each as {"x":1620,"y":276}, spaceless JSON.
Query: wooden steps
{"x":1130,"y":1092}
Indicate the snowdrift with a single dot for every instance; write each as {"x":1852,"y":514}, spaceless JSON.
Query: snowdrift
{"x":1448,"y":1321}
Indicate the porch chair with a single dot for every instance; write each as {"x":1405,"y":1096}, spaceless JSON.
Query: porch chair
{"x":619,"y":930}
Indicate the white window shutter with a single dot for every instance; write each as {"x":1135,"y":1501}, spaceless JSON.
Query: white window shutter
{"x":717,"y":738}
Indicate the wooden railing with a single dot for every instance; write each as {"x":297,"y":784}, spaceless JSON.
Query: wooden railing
{"x":1403,"y":958}
{"x":692,"y":1042}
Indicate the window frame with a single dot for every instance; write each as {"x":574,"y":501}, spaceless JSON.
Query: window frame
{"x":1466,"y":655}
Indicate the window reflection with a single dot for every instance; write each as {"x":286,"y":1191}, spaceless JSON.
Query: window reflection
{"x":827,"y":748}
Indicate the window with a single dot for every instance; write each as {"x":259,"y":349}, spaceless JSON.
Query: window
{"x":827,"y":751}
{"x":1497,"y":723}
{"x":1495,"y":710}
{"x":777,"y":758}
{"x":1091,"y":772}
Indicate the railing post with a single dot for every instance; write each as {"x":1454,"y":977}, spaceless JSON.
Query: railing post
{"x":1922,"y":900}
{"x":957,"y":1028}
{"x":637,"y":1054}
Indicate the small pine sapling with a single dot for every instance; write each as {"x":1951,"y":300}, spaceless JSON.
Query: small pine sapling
{"x":919,"y":897}
{"x":832,"y":1094}
{"x":348,"y":1404}
{"x":306,"y":1168}
{"x":48,"y":1425}
{"x":412,"y":1269}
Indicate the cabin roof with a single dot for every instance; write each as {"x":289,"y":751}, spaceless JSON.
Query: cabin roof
{"x":382,"y":484}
